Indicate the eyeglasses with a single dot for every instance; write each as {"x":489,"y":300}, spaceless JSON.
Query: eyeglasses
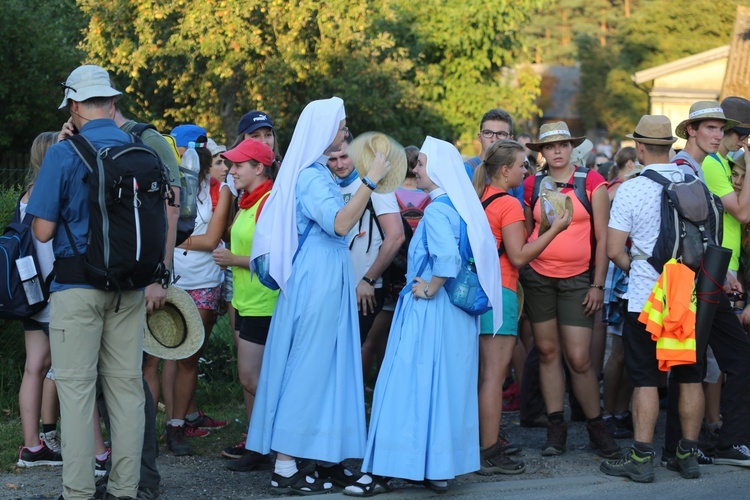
{"x":65,"y":86}
{"x":345,"y":130}
{"x":489,"y":134}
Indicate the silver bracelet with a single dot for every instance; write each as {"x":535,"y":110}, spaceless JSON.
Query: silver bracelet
{"x":425,"y":290}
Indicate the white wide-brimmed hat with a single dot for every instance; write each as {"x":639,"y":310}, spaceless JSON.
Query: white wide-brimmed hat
{"x":176,"y":330}
{"x":363,"y":149}
{"x":86,"y":82}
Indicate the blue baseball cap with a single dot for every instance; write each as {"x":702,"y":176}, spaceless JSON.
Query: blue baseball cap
{"x":252,"y":121}
{"x":184,"y":134}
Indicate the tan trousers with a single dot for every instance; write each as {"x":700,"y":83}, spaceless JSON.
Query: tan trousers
{"x":87,"y":337}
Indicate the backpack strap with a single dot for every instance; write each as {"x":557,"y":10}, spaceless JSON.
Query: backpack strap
{"x":579,"y":187}
{"x":302,"y":238}
{"x":537,"y":186}
{"x":682,"y":161}
{"x":473,"y":163}
{"x":138,"y":129}
{"x":486,"y":203}
{"x":85,"y":150}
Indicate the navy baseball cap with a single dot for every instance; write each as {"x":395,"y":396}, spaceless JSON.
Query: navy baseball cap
{"x":183,"y":134}
{"x":254,"y":120}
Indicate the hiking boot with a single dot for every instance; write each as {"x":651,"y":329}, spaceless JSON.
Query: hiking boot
{"x":100,"y":467}
{"x":237,"y":451}
{"x":205,"y":423}
{"x":52,"y":440}
{"x":557,"y":435}
{"x":506,"y":445}
{"x":601,"y":441}
{"x":43,"y":456}
{"x":195,"y":432}
{"x":252,"y":460}
{"x":736,"y":455}
{"x":636,"y":466}
{"x":147,"y":493}
{"x":703,"y":459}
{"x":686,"y":463}
{"x":494,"y":460}
{"x":176,"y":441}
{"x":616,"y":428}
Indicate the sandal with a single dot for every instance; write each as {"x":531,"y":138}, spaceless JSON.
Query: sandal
{"x":378,"y":485}
{"x":337,"y":474}
{"x":300,"y":483}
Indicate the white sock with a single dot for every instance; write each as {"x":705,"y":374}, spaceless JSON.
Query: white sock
{"x":176,"y":422}
{"x":285,"y":468}
{"x":192,"y":416}
{"x":365,"y":479}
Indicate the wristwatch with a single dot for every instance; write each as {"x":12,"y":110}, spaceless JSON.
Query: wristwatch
{"x":368,"y":281}
{"x":425,"y":290}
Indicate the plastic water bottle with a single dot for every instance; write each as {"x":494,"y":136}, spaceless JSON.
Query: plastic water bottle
{"x":189,"y":170}
{"x":465,"y":290}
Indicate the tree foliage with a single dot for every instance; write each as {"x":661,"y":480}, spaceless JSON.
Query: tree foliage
{"x":404,"y":68}
{"x":39,"y":50}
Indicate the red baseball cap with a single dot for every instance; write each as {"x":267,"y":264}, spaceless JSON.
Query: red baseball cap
{"x":250,"y":149}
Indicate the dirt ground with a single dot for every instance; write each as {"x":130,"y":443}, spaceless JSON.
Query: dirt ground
{"x":204,"y":475}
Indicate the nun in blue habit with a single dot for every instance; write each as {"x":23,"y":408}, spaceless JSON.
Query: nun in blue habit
{"x":309,"y":403}
{"x":424,"y":425}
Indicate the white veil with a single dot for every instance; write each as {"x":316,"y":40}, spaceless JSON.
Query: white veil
{"x":446,"y":169}
{"x":276,"y":231}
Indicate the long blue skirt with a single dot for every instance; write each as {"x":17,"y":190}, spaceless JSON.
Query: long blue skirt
{"x":425,"y":419}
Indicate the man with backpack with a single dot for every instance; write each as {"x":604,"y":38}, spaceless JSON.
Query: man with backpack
{"x":373,"y":242}
{"x":97,"y":301}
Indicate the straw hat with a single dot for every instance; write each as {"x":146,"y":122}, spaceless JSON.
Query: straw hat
{"x":554,"y":203}
{"x":704,"y":110}
{"x":738,"y":161}
{"x":653,"y":129}
{"x":362,"y":151}
{"x":175,"y":331}
{"x":554,"y":132}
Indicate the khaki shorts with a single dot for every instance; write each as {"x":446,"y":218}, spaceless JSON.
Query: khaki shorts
{"x":556,"y":298}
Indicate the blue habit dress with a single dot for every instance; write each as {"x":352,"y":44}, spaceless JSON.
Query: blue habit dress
{"x":310,"y":401}
{"x":425,"y":421}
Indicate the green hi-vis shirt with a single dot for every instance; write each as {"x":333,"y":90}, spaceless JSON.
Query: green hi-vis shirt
{"x":718,"y":177}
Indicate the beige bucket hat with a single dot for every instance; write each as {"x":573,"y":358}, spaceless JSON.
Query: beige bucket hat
{"x":176,"y":330}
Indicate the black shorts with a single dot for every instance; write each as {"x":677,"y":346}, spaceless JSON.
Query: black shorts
{"x":252,"y":328}
{"x":640,"y":357}
{"x":31,"y":324}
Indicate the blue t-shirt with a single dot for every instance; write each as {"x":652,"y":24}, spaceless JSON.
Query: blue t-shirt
{"x":517,"y":192}
{"x":61,"y":191}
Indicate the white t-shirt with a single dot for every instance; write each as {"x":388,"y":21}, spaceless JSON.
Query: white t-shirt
{"x":360,"y":233}
{"x":46,"y":257}
{"x":637,"y":210}
{"x":197,"y":269}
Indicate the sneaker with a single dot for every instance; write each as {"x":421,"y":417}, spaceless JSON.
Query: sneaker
{"x":176,"y":442}
{"x":686,"y":463}
{"x":195,"y":432}
{"x":637,"y":467}
{"x":557,"y":435}
{"x":252,"y":460}
{"x":601,"y":441}
{"x":506,"y":445}
{"x":703,"y":459}
{"x":494,"y":461}
{"x":206,"y":423}
{"x":52,"y":440}
{"x":100,"y":468}
{"x":43,"y":456}
{"x":236,"y":451}
{"x":736,"y":455}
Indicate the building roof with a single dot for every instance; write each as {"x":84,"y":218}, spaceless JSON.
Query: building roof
{"x":737,"y":78}
{"x":650,"y":74}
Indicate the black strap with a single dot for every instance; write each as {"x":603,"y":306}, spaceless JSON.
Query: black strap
{"x":139,"y":128}
{"x":486,"y":203}
{"x":373,"y":220}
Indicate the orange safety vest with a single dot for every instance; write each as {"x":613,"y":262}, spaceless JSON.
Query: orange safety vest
{"x":669,"y":316}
